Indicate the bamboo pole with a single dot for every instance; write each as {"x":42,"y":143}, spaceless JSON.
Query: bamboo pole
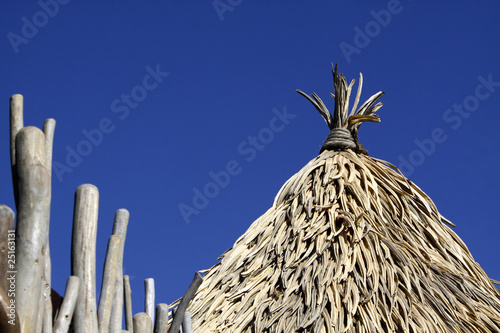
{"x":119,"y":229}
{"x":149,"y":300}
{"x":161,"y":322}
{"x":16,"y":123}
{"x":181,"y":309}
{"x":127,"y":291}
{"x":83,"y":257}
{"x":7,"y":234}
{"x":108,"y":283}
{"x":143,"y":323}
{"x":68,"y":305}
{"x":33,"y":187}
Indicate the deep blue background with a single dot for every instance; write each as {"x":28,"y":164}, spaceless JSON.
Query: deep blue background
{"x":228,"y":70}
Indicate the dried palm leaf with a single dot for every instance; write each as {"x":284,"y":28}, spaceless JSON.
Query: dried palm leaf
{"x":349,"y":245}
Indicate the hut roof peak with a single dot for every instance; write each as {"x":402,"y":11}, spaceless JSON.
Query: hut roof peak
{"x":344,"y":125}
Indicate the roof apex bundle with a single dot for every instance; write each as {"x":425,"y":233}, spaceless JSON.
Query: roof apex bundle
{"x":349,"y":245}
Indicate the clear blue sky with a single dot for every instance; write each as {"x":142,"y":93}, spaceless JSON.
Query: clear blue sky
{"x":173,"y":94}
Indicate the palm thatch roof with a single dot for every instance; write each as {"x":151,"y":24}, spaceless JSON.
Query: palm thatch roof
{"x":349,"y":245}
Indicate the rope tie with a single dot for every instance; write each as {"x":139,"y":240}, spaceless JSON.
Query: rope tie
{"x":339,"y":138}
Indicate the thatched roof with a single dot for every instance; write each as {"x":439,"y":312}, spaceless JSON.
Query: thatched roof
{"x":349,"y":245}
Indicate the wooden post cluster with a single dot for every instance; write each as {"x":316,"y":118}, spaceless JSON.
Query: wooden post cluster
{"x":26,"y":296}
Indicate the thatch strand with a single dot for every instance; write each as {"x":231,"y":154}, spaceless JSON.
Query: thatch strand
{"x":349,"y":245}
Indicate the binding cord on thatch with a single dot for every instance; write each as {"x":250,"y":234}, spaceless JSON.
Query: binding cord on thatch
{"x":349,"y":245}
{"x":343,"y":126}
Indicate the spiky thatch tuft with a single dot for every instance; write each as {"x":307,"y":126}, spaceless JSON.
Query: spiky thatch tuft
{"x":344,"y":126}
{"x":349,"y":245}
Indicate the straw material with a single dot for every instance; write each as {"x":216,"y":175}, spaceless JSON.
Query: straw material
{"x":349,"y":245}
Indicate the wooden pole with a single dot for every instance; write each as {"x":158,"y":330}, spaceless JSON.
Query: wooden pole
{"x":108,"y":283}
{"x":33,"y":184}
{"x":129,"y":323}
{"x":149,"y":300}
{"x":49,"y":127}
{"x":143,"y":323}
{"x":16,"y":123}
{"x":120,"y":230}
{"x":83,"y":257}
{"x":161,"y":322}
{"x":7,"y":272}
{"x":41,"y":311}
{"x":9,"y":322}
{"x":186,"y":323}
{"x":68,"y":305}
{"x":181,"y":309}
{"x":48,"y":131}
{"x":47,"y":308}
{"x":7,"y":246}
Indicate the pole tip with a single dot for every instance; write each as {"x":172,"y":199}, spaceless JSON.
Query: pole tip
{"x":16,"y":97}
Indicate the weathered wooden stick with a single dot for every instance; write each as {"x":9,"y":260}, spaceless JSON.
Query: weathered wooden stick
{"x":9,"y":321}
{"x":41,"y":311}
{"x":181,"y":309}
{"x":108,"y":283}
{"x":120,"y":230}
{"x":186,"y":323}
{"x":68,"y":305}
{"x":143,"y":323}
{"x":16,"y":123}
{"x":7,"y":246}
{"x":174,"y":311}
{"x":83,"y":257}
{"x":48,"y":130}
{"x":161,"y":322}
{"x":49,"y":127}
{"x":32,"y":224}
{"x":149,"y":300}
{"x":127,"y":291}
{"x":47,"y":308}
